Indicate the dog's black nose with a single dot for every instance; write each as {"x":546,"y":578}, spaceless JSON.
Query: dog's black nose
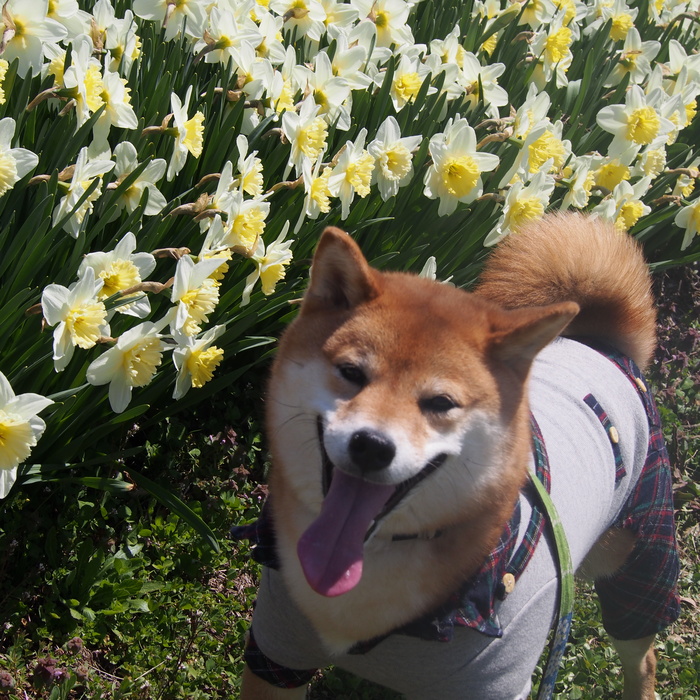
{"x":370,"y":450}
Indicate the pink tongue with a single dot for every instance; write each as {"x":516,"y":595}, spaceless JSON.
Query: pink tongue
{"x":331,"y":549}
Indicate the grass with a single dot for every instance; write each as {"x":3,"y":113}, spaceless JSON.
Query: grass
{"x":112,"y":596}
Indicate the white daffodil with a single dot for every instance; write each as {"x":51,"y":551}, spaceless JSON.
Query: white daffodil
{"x":225,"y":32}
{"x":250,"y":169}
{"x":131,"y":362}
{"x":245,"y":220}
{"x":523,"y":203}
{"x":306,"y":132}
{"x":306,"y":16}
{"x":678,"y":59}
{"x":118,"y":110}
{"x":349,"y":60}
{"x":390,"y":18}
{"x":196,"y":359}
{"x":20,"y":430}
{"x":271,"y":46}
{"x":635,"y":124}
{"x":532,"y":112}
{"x":455,"y":173}
{"x":188,"y":16}
{"x":83,"y":79}
{"x":27,"y":30}
{"x":543,"y":144}
{"x":651,"y":161}
{"x":352,"y":173}
{"x":536,"y":14}
{"x":121,"y":269}
{"x":215,"y":247}
{"x":318,"y":194}
{"x":118,"y":36}
{"x":85,"y":172}
{"x":330,"y":92}
{"x":80,"y":318}
{"x":393,"y":156}
{"x":270,"y":263}
{"x":340,"y":18}
{"x":551,"y":47}
{"x":188,"y":133}
{"x":195,"y":292}
{"x":688,"y":218}
{"x":624,"y":206}
{"x":481,"y":84}
{"x":15,"y":163}
{"x":579,"y":181}
{"x":126,"y":162}
{"x":621,"y":14}
{"x":69,"y":14}
{"x":407,"y":81}
{"x":634,"y":60}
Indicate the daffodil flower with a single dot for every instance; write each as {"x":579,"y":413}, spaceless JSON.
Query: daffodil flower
{"x":270,"y":263}
{"x":634,"y":60}
{"x":306,"y":132}
{"x":635,"y":124}
{"x":126,"y":162}
{"x":393,"y":156}
{"x":196,"y":359}
{"x":188,"y":133}
{"x":688,"y":218}
{"x":85,"y":171}
{"x":188,"y":16}
{"x":195,"y":293}
{"x":390,"y":17}
{"x":80,"y":318}
{"x":118,"y":110}
{"x":15,"y":163}
{"x":20,"y":430}
{"x":250,"y":169}
{"x":306,"y":16}
{"x":455,"y":173}
{"x":330,"y":92}
{"x":624,"y":205}
{"x":27,"y":29}
{"x":523,"y":203}
{"x":82,"y":80}
{"x":551,"y":47}
{"x":120,"y":269}
{"x":131,"y":362}
{"x":318,"y":196}
{"x":352,"y":173}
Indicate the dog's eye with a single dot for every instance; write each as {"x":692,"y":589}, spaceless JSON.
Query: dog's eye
{"x":437,"y":404}
{"x":353,"y":374}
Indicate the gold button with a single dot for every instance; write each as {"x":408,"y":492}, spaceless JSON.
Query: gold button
{"x":508,"y":582}
{"x":614,"y":435}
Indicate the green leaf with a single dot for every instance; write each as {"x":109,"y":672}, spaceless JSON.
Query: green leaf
{"x":177,"y":506}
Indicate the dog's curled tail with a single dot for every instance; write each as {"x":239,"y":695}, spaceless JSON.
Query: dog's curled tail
{"x":575,"y":257}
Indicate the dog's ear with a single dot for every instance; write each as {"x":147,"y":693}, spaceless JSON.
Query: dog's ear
{"x":519,"y":334}
{"x":341,"y":277}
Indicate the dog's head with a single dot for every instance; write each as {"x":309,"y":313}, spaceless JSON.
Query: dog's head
{"x":394,"y":406}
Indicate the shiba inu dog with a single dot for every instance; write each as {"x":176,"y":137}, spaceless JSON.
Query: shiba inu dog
{"x":403,"y":417}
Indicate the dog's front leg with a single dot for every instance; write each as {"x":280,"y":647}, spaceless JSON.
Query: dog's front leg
{"x":255,"y":688}
{"x":639,"y":665}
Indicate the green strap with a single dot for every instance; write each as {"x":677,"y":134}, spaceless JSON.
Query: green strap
{"x":566,"y":593}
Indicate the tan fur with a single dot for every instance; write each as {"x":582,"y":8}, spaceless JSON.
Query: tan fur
{"x":573,"y":257}
{"x":414,"y":339}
